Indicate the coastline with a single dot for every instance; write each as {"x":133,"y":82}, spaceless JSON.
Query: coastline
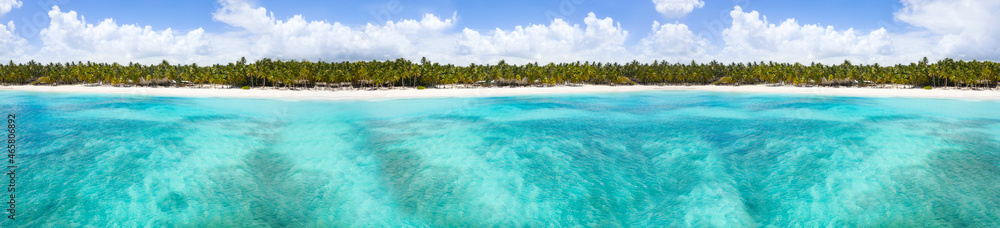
{"x":947,"y":93}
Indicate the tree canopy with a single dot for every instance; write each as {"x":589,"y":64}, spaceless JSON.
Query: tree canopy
{"x":403,"y":73}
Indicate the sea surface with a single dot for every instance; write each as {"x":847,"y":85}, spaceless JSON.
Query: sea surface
{"x":642,"y":159}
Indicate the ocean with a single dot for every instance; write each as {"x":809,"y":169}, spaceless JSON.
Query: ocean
{"x":637,"y":159}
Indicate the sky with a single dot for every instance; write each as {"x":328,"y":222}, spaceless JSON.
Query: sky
{"x":517,"y":31}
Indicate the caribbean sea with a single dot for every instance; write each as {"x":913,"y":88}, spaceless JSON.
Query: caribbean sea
{"x":642,"y":159}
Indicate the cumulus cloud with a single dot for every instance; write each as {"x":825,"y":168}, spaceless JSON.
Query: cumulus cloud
{"x":952,"y":28}
{"x":298,"y":38}
{"x":677,"y":8}
{"x":241,"y":14}
{"x":752,"y":37}
{"x":70,"y":38}
{"x":11,"y":45}
{"x":673,"y":42}
{"x":7,"y":5}
{"x":960,"y":28}
{"x":599,"y":40}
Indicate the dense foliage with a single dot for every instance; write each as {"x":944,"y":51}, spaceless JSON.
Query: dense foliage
{"x":403,"y":73}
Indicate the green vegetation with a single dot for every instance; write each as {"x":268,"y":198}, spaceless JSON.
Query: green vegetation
{"x":725,"y":81}
{"x":42,"y":81}
{"x":246,"y":88}
{"x":421,"y":87}
{"x":403,"y":73}
{"x":928,"y":87}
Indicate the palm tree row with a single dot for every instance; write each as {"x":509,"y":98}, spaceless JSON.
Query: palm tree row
{"x":403,"y":73}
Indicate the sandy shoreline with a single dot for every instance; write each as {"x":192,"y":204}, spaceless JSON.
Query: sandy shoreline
{"x":493,"y":92}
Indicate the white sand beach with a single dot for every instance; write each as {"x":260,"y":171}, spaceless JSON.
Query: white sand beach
{"x":493,"y":92}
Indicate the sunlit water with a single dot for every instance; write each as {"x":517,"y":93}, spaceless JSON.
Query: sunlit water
{"x":646,"y":159}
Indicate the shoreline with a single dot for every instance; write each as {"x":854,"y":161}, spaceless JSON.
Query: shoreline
{"x":408,"y":93}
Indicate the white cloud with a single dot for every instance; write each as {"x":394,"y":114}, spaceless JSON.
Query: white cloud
{"x":241,"y":14}
{"x":71,"y":38}
{"x":601,"y":40}
{"x":11,"y":45}
{"x":960,"y":28}
{"x":673,"y":42}
{"x":297,"y":38}
{"x":954,"y":28}
{"x":7,"y":5}
{"x":677,"y":8}
{"x":753,"y":38}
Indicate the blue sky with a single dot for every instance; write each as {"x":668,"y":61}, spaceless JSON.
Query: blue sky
{"x":192,"y":14}
{"x":823,"y":30}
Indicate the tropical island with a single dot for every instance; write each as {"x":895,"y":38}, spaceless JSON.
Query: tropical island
{"x":401,"y":74}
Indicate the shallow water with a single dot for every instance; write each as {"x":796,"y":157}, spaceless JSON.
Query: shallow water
{"x":645,"y":159}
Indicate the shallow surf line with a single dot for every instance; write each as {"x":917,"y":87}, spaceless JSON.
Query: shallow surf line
{"x":500,"y":92}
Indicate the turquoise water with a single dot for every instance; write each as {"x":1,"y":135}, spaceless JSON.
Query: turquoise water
{"x":646,"y":159}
